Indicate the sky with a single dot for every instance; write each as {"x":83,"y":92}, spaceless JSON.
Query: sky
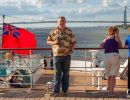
{"x":29,"y":10}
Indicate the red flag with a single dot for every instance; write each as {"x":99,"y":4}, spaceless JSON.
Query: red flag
{"x":14,"y":37}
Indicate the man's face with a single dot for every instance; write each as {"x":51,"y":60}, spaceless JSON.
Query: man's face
{"x":61,"y":23}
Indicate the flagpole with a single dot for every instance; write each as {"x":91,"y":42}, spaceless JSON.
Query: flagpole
{"x":3,"y":18}
{"x":31,"y":74}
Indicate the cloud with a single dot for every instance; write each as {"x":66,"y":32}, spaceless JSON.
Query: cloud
{"x":35,"y":3}
{"x":11,"y":3}
{"x":40,"y":3}
{"x":72,"y":9}
{"x":115,"y":3}
{"x":106,"y":3}
{"x":125,"y":2}
{"x":74,"y":1}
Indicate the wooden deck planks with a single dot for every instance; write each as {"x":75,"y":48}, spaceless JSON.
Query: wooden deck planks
{"x":76,"y":90}
{"x":38,"y":95}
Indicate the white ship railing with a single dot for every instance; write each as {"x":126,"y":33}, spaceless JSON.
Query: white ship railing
{"x":32,"y":64}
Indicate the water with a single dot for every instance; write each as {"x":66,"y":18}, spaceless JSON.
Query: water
{"x":86,"y":37}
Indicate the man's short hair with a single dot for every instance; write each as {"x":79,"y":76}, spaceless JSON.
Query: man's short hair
{"x":62,"y":17}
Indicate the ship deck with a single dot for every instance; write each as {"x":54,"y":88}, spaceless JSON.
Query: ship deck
{"x":79,"y":89}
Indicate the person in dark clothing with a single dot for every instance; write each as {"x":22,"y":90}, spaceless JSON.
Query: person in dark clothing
{"x":127,"y":45}
{"x":45,"y":63}
{"x":51,"y":61}
{"x":15,"y":82}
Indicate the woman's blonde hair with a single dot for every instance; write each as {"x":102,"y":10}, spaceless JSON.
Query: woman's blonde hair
{"x":112,"y":30}
{"x":115,"y":29}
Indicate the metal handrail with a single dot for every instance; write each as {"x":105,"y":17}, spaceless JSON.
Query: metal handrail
{"x":87,"y":48}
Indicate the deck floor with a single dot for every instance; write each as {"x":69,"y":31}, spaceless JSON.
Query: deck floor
{"x":42,"y":95}
{"x":77,"y":90}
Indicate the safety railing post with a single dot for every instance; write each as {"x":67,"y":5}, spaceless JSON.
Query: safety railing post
{"x":31,"y":73}
{"x":85,"y":70}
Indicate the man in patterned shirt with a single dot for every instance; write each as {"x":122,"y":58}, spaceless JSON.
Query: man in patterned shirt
{"x":63,"y":42}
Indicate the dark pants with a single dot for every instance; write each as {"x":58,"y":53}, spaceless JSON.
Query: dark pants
{"x":128,"y":72}
{"x":51,"y":64}
{"x":18,"y":86}
{"x":61,"y":77}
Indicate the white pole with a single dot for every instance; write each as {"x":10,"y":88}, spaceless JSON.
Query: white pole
{"x":94,"y":73}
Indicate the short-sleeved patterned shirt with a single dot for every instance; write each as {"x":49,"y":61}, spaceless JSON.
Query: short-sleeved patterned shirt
{"x":64,"y":39}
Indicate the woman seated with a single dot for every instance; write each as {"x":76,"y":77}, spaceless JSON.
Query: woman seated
{"x":15,"y":82}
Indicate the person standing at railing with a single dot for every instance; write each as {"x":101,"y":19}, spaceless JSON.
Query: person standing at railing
{"x":127,"y":45}
{"x":8,"y":58}
{"x":45,"y":62}
{"x":63,"y":42}
{"x":51,"y":61}
{"x":111,"y":44}
{"x":12,"y":55}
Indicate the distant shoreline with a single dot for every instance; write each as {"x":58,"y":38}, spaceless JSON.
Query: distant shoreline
{"x":119,"y":26}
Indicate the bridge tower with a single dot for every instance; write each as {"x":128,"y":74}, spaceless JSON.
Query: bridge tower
{"x":125,"y":18}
